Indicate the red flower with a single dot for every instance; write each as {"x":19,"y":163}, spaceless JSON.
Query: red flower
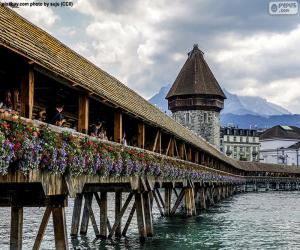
{"x":5,"y":125}
{"x":17,"y":146}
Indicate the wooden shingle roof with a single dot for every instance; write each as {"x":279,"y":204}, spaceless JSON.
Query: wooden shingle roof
{"x":196,"y":78}
{"x":18,"y":34}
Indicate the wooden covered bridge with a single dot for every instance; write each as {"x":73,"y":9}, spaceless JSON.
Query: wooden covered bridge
{"x":165,"y":165}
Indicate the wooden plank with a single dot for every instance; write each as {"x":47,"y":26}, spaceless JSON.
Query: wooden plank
{"x":181,"y":151}
{"x":141,"y":135}
{"x":157,"y":203}
{"x":27,"y":95}
{"x":88,"y":198}
{"x":42,"y":228}
{"x":178,"y":201}
{"x":197,"y":157}
{"x":140,"y":214}
{"x":168,"y":194}
{"x":60,"y":229}
{"x":128,"y":220}
{"x":76,"y":214}
{"x":176,"y":148}
{"x":99,"y":204}
{"x":148,"y":214}
{"x":93,"y":220}
{"x":120,"y":214}
{"x":16,"y":228}
{"x":118,"y":127}
{"x":169,"y":145}
{"x":154,"y":148}
{"x":118,"y":206}
{"x":185,"y":153}
{"x":160,"y":198}
{"x":103,"y":214}
{"x":83,"y":113}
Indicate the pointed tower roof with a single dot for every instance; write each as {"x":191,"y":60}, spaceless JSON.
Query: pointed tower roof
{"x":196,"y":78}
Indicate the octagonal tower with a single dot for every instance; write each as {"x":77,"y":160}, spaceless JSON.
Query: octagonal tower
{"x":196,"y":98}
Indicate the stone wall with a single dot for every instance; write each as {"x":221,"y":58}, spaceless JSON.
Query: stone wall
{"x":203,"y":123}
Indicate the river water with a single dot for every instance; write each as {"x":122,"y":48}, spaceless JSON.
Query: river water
{"x":266,"y":220}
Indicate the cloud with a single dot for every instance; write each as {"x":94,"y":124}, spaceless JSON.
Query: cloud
{"x":41,"y":16}
{"x":145,"y":43}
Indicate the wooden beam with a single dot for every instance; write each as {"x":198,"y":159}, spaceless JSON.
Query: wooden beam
{"x":128,"y":220}
{"x":120,"y":214}
{"x":140,"y":214}
{"x":76,"y":214}
{"x":197,"y":157}
{"x":118,"y":127}
{"x":154,"y":148}
{"x":185,"y":153}
{"x":42,"y":229}
{"x":176,"y":148}
{"x":83,"y":113}
{"x":88,"y":198}
{"x":16,"y":228}
{"x":169,"y":145}
{"x":181,"y":151}
{"x":148,"y":214}
{"x":141,"y":135}
{"x":103,"y":214}
{"x":118,"y":206}
{"x":178,"y":201}
{"x":60,"y":229}
{"x":27,"y":95}
{"x":189,"y":154}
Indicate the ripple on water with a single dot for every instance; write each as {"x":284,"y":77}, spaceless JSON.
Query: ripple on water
{"x":247,"y":221}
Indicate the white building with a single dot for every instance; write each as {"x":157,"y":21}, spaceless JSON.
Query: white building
{"x":240,"y":144}
{"x":280,"y":145}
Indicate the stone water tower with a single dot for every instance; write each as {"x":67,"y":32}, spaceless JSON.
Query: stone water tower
{"x":196,"y":98}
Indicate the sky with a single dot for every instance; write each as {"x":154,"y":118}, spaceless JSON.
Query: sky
{"x":144,"y":43}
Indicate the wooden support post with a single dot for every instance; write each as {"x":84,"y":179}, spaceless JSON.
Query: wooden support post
{"x":118,"y":127}
{"x":148,"y":214}
{"x":189,"y":154}
{"x":140,"y":214}
{"x":154,"y":148}
{"x":118,"y":206}
{"x":168,"y":195}
{"x":88,"y":198}
{"x":181,"y":151}
{"x":83,"y":113}
{"x":16,"y":101}
{"x":158,"y":203}
{"x":41,"y":232}
{"x":103,"y":215}
{"x":128,"y":220}
{"x":27,"y":95}
{"x":16,"y":228}
{"x":197,"y":157}
{"x":189,"y":202}
{"x":141,"y":135}
{"x":76,"y":214}
{"x":120,"y":215}
{"x":178,"y":201}
{"x":202,"y":198}
{"x":60,"y":229}
{"x":169,"y":146}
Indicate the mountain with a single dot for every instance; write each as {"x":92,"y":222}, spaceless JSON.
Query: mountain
{"x":253,"y":105}
{"x":243,"y":111}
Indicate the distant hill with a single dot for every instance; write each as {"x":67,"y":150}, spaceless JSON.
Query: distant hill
{"x":256,"y":121}
{"x":243,"y":111}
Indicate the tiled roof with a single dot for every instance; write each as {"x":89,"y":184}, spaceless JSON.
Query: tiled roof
{"x":266,"y":167}
{"x":196,"y":78}
{"x":281,"y":132}
{"x":20,"y":35}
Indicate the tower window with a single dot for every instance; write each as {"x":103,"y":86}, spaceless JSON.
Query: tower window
{"x":205,"y":118}
{"x":187,"y":118}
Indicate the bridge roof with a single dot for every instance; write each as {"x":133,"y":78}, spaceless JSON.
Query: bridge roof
{"x":18,"y":34}
{"x":266,"y":167}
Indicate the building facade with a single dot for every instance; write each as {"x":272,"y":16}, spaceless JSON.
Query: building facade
{"x":240,"y":144}
{"x":196,"y":99}
{"x":280,"y":145}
